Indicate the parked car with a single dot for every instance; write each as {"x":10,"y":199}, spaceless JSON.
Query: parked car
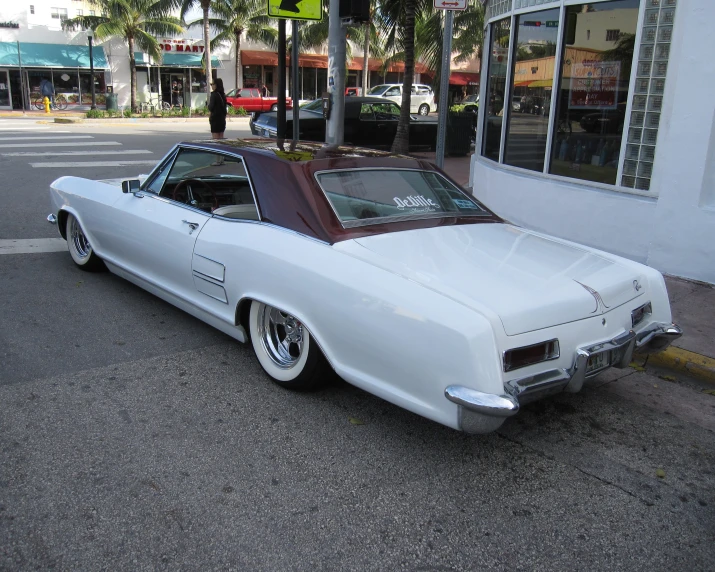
{"x":352,"y":91}
{"x":421,"y":100}
{"x":375,"y":265}
{"x":369,"y":122}
{"x":252,"y":101}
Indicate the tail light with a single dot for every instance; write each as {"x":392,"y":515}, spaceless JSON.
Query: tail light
{"x":530,"y":355}
{"x":640,"y":313}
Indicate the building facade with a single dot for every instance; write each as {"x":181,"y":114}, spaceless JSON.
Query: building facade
{"x":593,"y":129}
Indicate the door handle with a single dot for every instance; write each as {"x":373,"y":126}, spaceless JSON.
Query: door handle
{"x":192,"y":225}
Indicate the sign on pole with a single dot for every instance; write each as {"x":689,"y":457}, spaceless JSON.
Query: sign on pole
{"x":450,"y":4}
{"x":296,"y":9}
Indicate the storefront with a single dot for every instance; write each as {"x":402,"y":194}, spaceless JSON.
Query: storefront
{"x":24,"y":65}
{"x":593,"y":129}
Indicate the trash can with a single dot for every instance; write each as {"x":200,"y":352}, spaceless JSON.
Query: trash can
{"x":112,"y":102}
{"x":459,"y":133}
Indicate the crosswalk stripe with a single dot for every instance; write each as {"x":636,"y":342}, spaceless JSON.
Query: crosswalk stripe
{"x":32,"y":245}
{"x":74,"y":144}
{"x":55,"y":165}
{"x":30,"y":129}
{"x":84,"y":153}
{"x":42,"y":137}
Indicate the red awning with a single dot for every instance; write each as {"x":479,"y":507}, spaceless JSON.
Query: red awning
{"x":258,"y":58}
{"x":463,"y":78}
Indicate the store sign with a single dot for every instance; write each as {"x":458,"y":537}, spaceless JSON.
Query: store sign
{"x":14,"y":25}
{"x":594,"y":85}
{"x":296,"y":9}
{"x":180,"y":46}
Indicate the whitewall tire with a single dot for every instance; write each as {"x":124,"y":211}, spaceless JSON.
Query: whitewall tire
{"x":79,"y":247}
{"x":285,"y":348}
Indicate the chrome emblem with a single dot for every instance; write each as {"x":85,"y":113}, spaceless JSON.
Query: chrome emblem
{"x":637,"y":285}
{"x":600,"y":304}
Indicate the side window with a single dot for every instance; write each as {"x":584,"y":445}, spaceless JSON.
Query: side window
{"x":386,"y":111}
{"x":245,"y":93}
{"x":392,"y":92}
{"x":255,"y":93}
{"x":366,"y":113}
{"x":212,"y":182}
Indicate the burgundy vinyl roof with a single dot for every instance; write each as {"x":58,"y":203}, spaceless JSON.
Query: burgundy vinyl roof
{"x":289,"y":196}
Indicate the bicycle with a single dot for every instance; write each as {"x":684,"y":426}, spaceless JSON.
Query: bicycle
{"x":60,"y":102}
{"x":152,"y":105}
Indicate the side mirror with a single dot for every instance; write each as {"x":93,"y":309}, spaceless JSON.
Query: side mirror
{"x":130,"y":186}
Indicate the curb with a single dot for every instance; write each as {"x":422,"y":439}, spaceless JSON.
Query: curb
{"x":68,"y":120}
{"x":678,"y":359}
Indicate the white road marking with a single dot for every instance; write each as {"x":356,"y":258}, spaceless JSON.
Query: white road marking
{"x":31,"y":129}
{"x":73,"y":144}
{"x":55,"y":165}
{"x":32,"y":245}
{"x":42,"y":137}
{"x":84,"y":153}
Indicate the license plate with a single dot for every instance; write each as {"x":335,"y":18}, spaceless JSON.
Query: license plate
{"x":597,"y":362}
{"x":265,"y":133}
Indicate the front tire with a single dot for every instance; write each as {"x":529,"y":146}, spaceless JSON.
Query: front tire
{"x":423,"y":109}
{"x":285,"y":349}
{"x":80,"y":248}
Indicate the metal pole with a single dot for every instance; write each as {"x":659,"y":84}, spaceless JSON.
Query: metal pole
{"x":295,"y":60}
{"x":281,"y":127}
{"x":335,"y":125}
{"x":91,"y":75}
{"x":22,"y":79}
{"x":444,"y":87}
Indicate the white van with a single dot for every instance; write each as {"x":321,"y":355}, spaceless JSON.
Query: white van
{"x":421,"y":100}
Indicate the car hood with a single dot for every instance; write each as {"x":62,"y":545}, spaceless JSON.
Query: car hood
{"x":530,"y":281}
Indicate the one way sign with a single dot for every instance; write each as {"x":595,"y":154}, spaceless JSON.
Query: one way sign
{"x":450,"y":4}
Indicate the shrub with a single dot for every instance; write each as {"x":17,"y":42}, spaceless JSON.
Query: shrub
{"x":95,"y":114}
{"x":237,"y":111}
{"x":127,"y":113}
{"x":185,"y":111}
{"x":145,"y":114}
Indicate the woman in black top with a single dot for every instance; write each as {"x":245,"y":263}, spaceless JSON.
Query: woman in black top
{"x":217,"y":109}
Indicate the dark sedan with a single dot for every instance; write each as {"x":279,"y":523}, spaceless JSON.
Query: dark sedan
{"x":369,"y":122}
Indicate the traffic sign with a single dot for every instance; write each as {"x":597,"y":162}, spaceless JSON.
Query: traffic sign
{"x":450,"y":4}
{"x":296,"y":9}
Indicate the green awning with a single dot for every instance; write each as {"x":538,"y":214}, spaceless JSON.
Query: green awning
{"x":177,"y":60}
{"x":51,"y":56}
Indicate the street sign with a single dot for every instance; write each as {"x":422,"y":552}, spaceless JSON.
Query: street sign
{"x":296,"y":9}
{"x":450,"y":4}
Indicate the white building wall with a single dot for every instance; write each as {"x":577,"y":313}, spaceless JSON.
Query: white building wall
{"x":673,"y":231}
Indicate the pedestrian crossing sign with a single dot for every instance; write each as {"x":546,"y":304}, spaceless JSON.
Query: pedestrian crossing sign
{"x":296,"y":9}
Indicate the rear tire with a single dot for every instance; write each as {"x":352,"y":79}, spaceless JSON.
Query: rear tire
{"x":423,"y":109}
{"x":285,"y":349}
{"x":80,"y":249}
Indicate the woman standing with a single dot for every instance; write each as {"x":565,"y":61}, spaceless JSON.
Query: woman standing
{"x":217,"y":109}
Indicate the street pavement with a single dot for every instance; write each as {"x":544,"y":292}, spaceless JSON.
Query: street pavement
{"x":134,"y":437}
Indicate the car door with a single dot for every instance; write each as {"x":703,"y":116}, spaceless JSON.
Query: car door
{"x":387,"y":116}
{"x":155,"y":228}
{"x":363,"y":131}
{"x":247,"y":101}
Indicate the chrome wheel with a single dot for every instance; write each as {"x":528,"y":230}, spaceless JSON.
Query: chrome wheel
{"x":424,"y":109}
{"x":281,"y":336}
{"x":81,"y":245}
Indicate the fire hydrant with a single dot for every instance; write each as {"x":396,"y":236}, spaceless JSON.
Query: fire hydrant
{"x":46,"y":103}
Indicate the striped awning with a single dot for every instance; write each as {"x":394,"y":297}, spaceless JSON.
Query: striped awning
{"x":34,"y":55}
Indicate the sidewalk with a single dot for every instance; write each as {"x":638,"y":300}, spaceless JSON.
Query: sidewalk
{"x":692,"y":305}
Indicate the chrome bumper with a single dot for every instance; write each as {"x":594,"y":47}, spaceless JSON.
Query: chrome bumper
{"x":481,"y":412}
{"x":52,"y":219}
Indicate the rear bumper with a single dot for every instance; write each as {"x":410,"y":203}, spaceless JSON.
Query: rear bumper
{"x":481,"y":412}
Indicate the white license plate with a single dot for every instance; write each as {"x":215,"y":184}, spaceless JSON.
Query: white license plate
{"x":598,"y":361}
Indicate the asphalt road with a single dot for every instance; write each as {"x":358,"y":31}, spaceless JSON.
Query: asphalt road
{"x":133,"y":437}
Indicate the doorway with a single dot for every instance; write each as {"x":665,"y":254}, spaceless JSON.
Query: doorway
{"x":173,"y":88}
{"x":5,"y":100}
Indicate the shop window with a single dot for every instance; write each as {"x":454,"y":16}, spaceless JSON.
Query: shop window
{"x":496,"y":88}
{"x":593,"y":93}
{"x":531,"y":88}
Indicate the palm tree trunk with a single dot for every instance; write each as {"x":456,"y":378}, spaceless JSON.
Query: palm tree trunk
{"x":401,"y":144}
{"x":366,"y":59}
{"x":207,"y":48}
{"x":239,"y":79}
{"x":132,"y":74}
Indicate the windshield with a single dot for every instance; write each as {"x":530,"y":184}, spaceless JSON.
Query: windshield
{"x":378,"y":90}
{"x":375,"y":196}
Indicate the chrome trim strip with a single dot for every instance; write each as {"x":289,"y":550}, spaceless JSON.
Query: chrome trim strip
{"x":223,"y":299}
{"x":657,"y":338}
{"x":52,"y":219}
{"x":221,"y":264}
{"x":480,"y":402}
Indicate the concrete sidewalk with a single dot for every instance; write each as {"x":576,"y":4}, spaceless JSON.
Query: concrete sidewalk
{"x":692,"y":305}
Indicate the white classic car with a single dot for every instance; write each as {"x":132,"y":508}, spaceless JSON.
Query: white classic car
{"x":375,"y":265}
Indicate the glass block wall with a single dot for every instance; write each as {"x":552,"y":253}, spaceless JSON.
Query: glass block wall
{"x":526,"y":3}
{"x":651,"y":69}
{"x":497,"y":8}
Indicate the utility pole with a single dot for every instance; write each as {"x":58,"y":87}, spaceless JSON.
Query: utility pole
{"x":295,"y":69}
{"x":444,"y":87}
{"x":334,"y":126}
{"x":281,"y":119}
{"x":90,"y":36}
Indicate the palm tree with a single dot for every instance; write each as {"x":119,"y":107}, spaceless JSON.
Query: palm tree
{"x":186,"y":6}
{"x":135,"y":21}
{"x":232,"y":19}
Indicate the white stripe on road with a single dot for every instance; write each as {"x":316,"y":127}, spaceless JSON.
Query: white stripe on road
{"x":32,"y":245}
{"x":91,"y":164}
{"x":42,"y":137}
{"x":87,"y":152}
{"x":30,"y":129}
{"x":74,"y":144}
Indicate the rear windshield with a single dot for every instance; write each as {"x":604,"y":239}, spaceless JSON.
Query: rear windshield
{"x":375,"y":196}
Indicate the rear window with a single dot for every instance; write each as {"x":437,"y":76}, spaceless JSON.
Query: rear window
{"x":375,"y":196}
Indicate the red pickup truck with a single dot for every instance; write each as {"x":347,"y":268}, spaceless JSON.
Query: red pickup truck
{"x":251,"y":100}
